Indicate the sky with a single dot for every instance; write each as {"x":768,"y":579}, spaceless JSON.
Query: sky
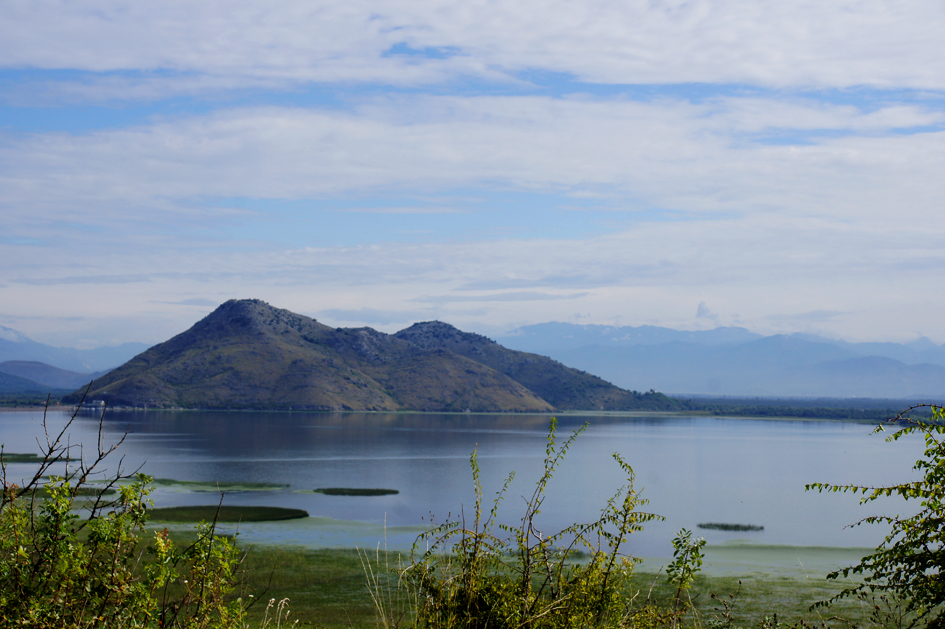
{"x":773,"y":165}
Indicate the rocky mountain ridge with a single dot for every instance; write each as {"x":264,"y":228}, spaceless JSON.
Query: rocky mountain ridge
{"x":249,"y":355}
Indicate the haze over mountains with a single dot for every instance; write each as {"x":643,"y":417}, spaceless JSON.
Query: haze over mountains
{"x":723,"y":361}
{"x":15,"y":346}
{"x":249,"y":355}
{"x":29,"y":376}
{"x":737,"y":362}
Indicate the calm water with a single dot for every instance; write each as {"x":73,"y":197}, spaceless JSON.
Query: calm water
{"x":691,"y":469}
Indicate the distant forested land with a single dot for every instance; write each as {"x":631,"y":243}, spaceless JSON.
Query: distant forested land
{"x":17,"y":400}
{"x":820,"y":408}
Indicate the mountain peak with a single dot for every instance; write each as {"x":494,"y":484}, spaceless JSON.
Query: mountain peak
{"x":434,"y":334}
{"x":253,"y":315}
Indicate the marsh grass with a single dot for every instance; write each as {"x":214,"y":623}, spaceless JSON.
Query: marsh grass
{"x":209,"y":513}
{"x":339,"y":589}
{"x":748,"y":600}
{"x":325,"y":588}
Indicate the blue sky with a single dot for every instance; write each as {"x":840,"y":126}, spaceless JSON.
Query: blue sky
{"x":490,"y":164}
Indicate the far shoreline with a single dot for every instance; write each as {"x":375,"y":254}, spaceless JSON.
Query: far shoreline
{"x":567,"y":413}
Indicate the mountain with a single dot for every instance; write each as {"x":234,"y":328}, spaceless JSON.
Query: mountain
{"x":15,"y":346}
{"x":248,"y":355}
{"x":542,"y":337}
{"x":47,"y":375}
{"x":10,"y":384}
{"x":736,"y":362}
{"x":560,"y":386}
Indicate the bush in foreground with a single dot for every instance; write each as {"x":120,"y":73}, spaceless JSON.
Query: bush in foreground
{"x":72,"y":555}
{"x":483,"y":575}
{"x":904,"y":575}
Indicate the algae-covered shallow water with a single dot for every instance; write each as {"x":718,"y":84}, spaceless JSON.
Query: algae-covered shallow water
{"x":692,"y":469}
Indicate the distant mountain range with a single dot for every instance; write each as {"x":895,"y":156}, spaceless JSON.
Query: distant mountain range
{"x":37,"y":376}
{"x":726,"y":361}
{"x":249,"y":355}
{"x":15,"y":346}
{"x":15,"y":385}
{"x":736,"y":362}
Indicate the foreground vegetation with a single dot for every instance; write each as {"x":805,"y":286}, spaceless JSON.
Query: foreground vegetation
{"x":94,"y":562}
{"x":327,"y":588}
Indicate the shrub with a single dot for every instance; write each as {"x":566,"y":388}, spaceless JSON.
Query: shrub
{"x":499,"y":576}
{"x":906,"y":568}
{"x":70,"y":562}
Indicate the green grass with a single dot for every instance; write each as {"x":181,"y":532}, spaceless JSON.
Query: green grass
{"x":207,"y":513}
{"x":354,"y":491}
{"x":329,"y":588}
{"x":753,"y":597}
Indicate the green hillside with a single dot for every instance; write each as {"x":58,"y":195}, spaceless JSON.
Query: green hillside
{"x":562,"y":387}
{"x":249,"y":355}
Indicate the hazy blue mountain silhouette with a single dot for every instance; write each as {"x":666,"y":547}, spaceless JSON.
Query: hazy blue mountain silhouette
{"x":737,"y":362}
{"x":15,"y":346}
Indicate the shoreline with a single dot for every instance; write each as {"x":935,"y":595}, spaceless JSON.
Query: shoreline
{"x":568,"y":413}
{"x":51,"y":407}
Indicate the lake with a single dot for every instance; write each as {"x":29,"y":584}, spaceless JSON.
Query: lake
{"x":692,"y":470}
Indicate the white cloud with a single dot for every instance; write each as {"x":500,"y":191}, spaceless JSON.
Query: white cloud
{"x":760,"y":42}
{"x":666,"y":154}
{"x":703,"y":312}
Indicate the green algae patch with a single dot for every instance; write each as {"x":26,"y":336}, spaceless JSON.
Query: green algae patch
{"x":28,"y":457}
{"x":355,"y":491}
{"x":207,"y":513}
{"x":215,"y":486}
{"x":721,"y":526}
{"x":42,"y":492}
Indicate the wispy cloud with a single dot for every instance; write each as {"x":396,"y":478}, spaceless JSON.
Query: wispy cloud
{"x":372,"y":316}
{"x":672,"y":155}
{"x":835,"y":44}
{"x":195,"y":301}
{"x":512,"y":296}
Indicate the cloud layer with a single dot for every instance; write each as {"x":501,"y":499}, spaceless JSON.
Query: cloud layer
{"x":800,"y":44}
{"x":490,"y":164}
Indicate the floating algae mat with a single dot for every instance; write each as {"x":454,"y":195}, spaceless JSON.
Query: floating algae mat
{"x":213,"y":486}
{"x":206,"y":513}
{"x":719,"y":526}
{"x":42,"y":492}
{"x":28,"y":457}
{"x":354,"y":491}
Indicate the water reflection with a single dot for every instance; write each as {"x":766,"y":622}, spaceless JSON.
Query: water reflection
{"x":692,"y":469}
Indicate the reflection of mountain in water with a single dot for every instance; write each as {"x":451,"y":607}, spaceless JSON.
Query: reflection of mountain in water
{"x":692,"y":469}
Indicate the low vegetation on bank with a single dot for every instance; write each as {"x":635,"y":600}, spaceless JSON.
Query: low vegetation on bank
{"x":95,"y":562}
